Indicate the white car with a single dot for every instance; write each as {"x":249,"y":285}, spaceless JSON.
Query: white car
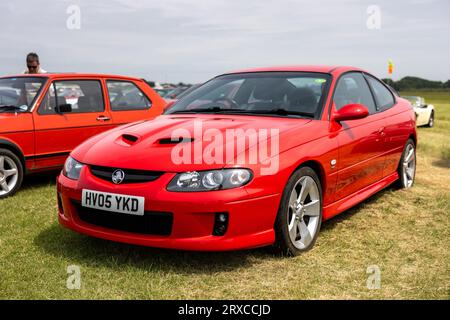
{"x":424,"y":112}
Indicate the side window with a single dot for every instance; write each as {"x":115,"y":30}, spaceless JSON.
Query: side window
{"x":83,"y":96}
{"x":383,"y":96}
{"x":124,"y":95}
{"x":353,"y":88}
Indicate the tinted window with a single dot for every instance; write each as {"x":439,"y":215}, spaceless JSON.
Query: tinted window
{"x":125,"y":95}
{"x":83,"y":95}
{"x":259,"y":93}
{"x":353,"y":88}
{"x":384,"y":97}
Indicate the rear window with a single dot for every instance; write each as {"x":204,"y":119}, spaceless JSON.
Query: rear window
{"x":383,"y":96}
{"x":125,"y":95}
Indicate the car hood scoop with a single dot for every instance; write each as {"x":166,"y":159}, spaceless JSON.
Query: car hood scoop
{"x":127,"y":139}
{"x":173,"y":140}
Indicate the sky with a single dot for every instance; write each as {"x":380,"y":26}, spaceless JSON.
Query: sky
{"x":194,"y":40}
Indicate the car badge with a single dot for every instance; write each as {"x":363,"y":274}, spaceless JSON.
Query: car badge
{"x":118,"y":176}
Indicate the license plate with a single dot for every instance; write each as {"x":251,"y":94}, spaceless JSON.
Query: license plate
{"x":113,"y":202}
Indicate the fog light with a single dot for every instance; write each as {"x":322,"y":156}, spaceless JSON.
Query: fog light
{"x":220,"y":224}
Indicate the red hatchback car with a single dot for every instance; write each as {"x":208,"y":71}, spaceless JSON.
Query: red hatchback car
{"x":248,"y":159}
{"x":45,"y":116}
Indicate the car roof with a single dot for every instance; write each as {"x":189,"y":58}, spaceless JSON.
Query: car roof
{"x":301,"y":68}
{"x":73,"y":75}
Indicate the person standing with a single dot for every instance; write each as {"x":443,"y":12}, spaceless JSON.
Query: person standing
{"x":33,"y":65}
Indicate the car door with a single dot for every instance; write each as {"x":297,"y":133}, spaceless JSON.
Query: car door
{"x":361,"y":158}
{"x":397,"y":124}
{"x":71,"y":112}
{"x":128,"y":102}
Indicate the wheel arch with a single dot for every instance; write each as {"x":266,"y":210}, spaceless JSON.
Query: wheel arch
{"x":413,"y":137}
{"x":8,"y":145}
{"x":318,"y":169}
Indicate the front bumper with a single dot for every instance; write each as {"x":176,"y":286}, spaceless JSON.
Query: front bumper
{"x":250,"y":225}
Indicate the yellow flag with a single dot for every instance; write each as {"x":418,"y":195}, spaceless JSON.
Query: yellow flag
{"x":390,"y":67}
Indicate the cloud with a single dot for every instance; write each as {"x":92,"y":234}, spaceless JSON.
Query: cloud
{"x":176,"y":40}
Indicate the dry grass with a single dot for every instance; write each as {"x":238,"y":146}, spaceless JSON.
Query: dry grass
{"x":405,"y":233}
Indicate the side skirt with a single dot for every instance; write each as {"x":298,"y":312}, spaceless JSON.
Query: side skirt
{"x":357,"y":197}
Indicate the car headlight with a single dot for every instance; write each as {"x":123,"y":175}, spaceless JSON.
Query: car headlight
{"x":210,"y":180}
{"x":72,"y":168}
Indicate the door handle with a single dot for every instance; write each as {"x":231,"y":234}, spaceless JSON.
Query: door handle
{"x":381,"y":132}
{"x":103,"y":118}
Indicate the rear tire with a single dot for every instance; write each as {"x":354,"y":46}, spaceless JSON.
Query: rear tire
{"x":407,"y":166}
{"x":11,"y":173}
{"x":299,"y":216}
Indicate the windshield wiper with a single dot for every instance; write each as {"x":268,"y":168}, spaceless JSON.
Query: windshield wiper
{"x":13,"y":108}
{"x":276,"y":111}
{"x":282,"y":112}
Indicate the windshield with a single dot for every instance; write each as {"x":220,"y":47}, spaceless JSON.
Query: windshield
{"x":415,"y":101}
{"x":19,"y":93}
{"x":281,"y":93}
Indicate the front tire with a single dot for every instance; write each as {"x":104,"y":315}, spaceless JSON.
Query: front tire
{"x":11,"y":173}
{"x":407,"y":166}
{"x":300,"y":213}
{"x":430,"y":123}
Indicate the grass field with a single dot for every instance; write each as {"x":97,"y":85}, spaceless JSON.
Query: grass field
{"x":403,"y":232}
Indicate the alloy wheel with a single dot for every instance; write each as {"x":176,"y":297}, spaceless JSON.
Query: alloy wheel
{"x":9,"y":174}
{"x":303,"y":212}
{"x":409,"y":166}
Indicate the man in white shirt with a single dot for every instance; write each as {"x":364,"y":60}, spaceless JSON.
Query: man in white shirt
{"x":33,"y":65}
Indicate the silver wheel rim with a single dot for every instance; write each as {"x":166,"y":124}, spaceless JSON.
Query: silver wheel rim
{"x":431,"y":120}
{"x":9,"y":175}
{"x":409,"y":166}
{"x":303,"y":212}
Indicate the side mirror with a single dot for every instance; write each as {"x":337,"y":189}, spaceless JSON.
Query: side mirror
{"x":351,"y":112}
{"x":63,"y":108}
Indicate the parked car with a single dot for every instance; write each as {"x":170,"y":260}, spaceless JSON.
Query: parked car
{"x":173,"y":94}
{"x":338,"y":135}
{"x":187,"y":91}
{"x":43,"y":117}
{"x":162,"y":92}
{"x":424,"y":112}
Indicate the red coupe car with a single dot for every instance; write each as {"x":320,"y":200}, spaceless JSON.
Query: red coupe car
{"x":250,"y":158}
{"x":44,"y":116}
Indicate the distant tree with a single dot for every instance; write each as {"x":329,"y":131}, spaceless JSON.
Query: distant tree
{"x":447,"y":84}
{"x":408,"y":83}
{"x":391,"y":83}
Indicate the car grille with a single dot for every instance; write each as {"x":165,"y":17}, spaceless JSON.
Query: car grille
{"x":131,"y":176}
{"x":151,"y":223}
